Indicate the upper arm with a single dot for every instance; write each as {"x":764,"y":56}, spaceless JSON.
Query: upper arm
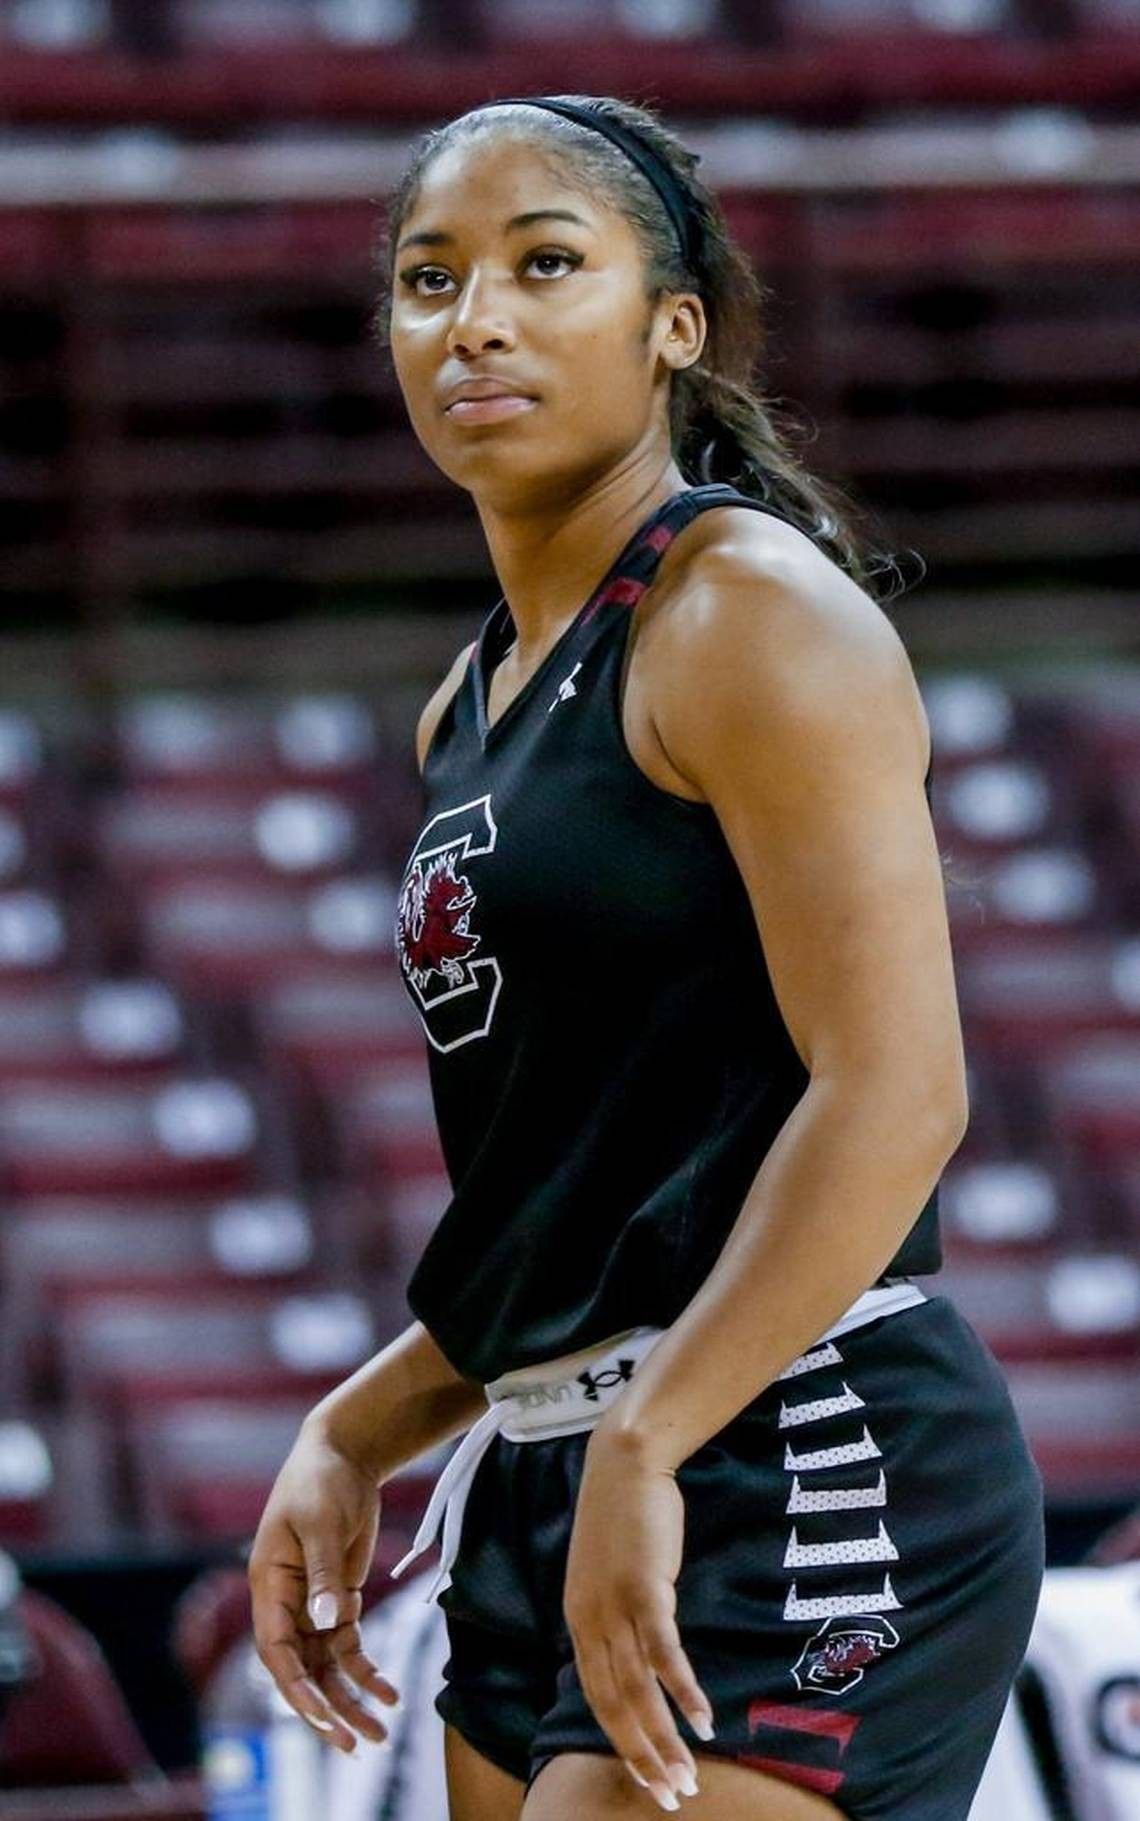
{"x":433,"y":708}
{"x":785,"y":694}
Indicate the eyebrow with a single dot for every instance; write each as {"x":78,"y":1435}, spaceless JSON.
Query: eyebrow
{"x":435,"y":237}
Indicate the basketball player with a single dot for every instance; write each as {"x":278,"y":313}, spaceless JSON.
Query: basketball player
{"x":747,"y":1520}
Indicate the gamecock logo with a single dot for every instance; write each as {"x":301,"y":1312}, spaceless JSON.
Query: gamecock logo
{"x":836,"y":1656}
{"x":435,"y":943}
{"x":435,"y":908}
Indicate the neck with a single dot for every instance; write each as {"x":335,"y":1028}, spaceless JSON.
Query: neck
{"x":549,"y":559}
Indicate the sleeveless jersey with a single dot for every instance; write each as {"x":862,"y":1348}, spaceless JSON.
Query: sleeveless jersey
{"x":608,"y":1062}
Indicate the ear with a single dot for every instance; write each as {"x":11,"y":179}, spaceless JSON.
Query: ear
{"x":686,"y":330}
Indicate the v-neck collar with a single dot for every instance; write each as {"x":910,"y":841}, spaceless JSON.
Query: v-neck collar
{"x":489,"y":648}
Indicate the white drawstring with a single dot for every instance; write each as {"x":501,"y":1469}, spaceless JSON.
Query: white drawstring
{"x":450,"y":1492}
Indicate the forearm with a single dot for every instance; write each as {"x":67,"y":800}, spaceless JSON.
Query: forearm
{"x":838,"y":1190}
{"x":403,"y":1401}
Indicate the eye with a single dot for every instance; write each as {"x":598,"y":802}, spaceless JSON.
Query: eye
{"x":413,"y":275}
{"x":573,"y":260}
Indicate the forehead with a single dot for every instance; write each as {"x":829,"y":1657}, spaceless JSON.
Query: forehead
{"x":505,"y":168}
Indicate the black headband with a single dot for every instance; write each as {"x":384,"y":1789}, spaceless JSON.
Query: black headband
{"x":649,"y":163}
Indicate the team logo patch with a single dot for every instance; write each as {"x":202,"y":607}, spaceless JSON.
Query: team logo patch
{"x":838,"y":1653}
{"x":434,"y":919}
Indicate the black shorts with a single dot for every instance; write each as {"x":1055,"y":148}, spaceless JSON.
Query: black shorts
{"x":864,"y":1549}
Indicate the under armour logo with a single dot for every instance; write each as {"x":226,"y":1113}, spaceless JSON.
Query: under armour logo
{"x":601,"y":1381}
{"x":566,"y":688}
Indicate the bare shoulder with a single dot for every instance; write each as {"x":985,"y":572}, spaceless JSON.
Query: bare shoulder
{"x":757,"y":627}
{"x":432,"y":712}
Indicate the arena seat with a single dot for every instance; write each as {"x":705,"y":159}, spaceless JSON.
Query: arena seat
{"x":27,"y":1474}
{"x":972,"y":716}
{"x":203,"y":1467}
{"x":1099,"y":717}
{"x":69,"y":1724}
{"x":1016,"y":1206}
{"x":184,"y":1134}
{"x":385,"y":1123}
{"x":1026,"y":999}
{"x":413,"y":1201}
{"x":125,"y":1352}
{"x":1091,"y":1093}
{"x":997,"y":806}
{"x":203,"y":741}
{"x":1048,"y":892}
{"x":23,"y":757}
{"x":57,"y":1248}
{"x":77,"y":1030}
{"x":1079,"y":1418}
{"x":336,"y":1020}
{"x":60,"y":1491}
{"x":36,"y":938}
{"x":1053,"y":1306}
{"x":165,"y":835}
{"x":230,"y":939}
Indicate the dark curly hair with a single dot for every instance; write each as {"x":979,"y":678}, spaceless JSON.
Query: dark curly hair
{"x":722,"y":427}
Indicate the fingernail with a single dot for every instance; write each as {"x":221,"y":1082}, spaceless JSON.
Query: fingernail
{"x":635,"y":1774}
{"x":324,"y":1725}
{"x":666,"y":1799}
{"x":322,"y":1611}
{"x":701,"y":1725}
{"x":682,"y":1778}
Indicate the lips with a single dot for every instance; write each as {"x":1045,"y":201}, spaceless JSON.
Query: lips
{"x":471,"y":390}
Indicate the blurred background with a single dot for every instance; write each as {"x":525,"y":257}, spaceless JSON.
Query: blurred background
{"x":229,"y":580}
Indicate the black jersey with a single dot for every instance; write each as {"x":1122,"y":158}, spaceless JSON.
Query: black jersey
{"x":608,"y":1061}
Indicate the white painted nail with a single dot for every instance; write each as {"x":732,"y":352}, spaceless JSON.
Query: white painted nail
{"x":701,"y":1725}
{"x":682,"y":1778}
{"x":667,"y":1800}
{"x":635,"y":1774}
{"x":324,"y":1725}
{"x":322,"y":1610}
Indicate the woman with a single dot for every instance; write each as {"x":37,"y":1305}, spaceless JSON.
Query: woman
{"x":746,"y":1512}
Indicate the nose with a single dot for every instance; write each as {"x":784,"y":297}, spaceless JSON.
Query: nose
{"x":478,"y":320}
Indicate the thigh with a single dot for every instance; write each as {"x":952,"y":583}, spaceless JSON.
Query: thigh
{"x":478,"y":1790}
{"x":576,"y":1784}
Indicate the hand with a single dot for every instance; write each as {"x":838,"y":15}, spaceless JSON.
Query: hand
{"x":620,"y":1603}
{"x":313,"y":1548}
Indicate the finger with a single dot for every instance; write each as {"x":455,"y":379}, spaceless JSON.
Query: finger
{"x":346,"y":1702}
{"x":595,"y":1672}
{"x":638,"y":1685}
{"x":663,"y":1651}
{"x":280,"y":1648}
{"x":356,"y":1662}
{"x":346,"y":1651}
{"x":306,"y":1699}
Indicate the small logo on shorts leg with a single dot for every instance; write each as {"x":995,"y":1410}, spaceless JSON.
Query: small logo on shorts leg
{"x":836,"y":1656}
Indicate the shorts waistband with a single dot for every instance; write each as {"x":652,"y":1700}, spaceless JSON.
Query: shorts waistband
{"x":567,"y":1395}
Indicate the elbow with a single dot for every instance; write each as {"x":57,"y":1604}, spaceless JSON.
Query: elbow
{"x":949,"y":1119}
{"x":934,"y":1120}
